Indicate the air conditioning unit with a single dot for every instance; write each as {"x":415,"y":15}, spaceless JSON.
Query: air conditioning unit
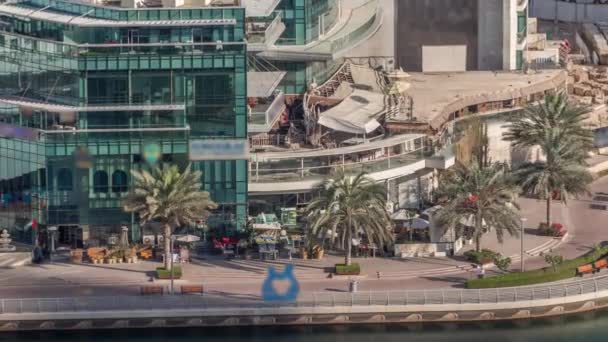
{"x":160,"y":240}
{"x":148,"y":240}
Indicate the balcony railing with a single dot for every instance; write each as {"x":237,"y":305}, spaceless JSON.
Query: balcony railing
{"x":360,"y":23}
{"x":372,"y":157}
{"x":261,"y":35}
{"x":319,"y":172}
{"x":263,"y":116}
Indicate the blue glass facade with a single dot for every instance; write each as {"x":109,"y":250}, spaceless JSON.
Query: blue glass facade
{"x":80,"y":106}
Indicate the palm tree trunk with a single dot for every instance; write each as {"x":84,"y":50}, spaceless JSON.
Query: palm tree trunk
{"x":478,"y":230}
{"x":349,"y":242}
{"x":167,"y":238}
{"x":349,"y":249}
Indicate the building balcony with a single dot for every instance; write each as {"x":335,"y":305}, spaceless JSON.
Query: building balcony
{"x":266,"y":113}
{"x":259,"y":8}
{"x":263,"y":35}
{"x":357,"y":23}
{"x":385,"y":159}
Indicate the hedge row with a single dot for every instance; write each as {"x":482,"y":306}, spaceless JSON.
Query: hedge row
{"x":162,"y":273}
{"x":353,"y":269}
{"x":548,"y":274}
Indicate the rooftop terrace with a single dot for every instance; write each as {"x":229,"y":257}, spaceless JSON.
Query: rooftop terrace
{"x":436,"y":96}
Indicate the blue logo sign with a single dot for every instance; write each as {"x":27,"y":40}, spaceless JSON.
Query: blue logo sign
{"x":152,"y":153}
{"x":270,"y":294}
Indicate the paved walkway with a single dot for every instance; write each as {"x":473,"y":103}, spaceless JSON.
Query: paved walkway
{"x":244,"y":277}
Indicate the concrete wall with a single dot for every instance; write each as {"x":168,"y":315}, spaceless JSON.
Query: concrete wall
{"x":582,"y":11}
{"x":435,"y":22}
{"x":490,"y":33}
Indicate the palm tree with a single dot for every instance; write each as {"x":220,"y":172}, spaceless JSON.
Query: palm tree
{"x":170,"y":198}
{"x":349,"y":205}
{"x":530,"y":127}
{"x":561,"y":173}
{"x":480,"y":199}
{"x":556,"y":126}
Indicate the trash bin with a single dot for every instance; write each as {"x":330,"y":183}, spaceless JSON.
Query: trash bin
{"x":353,"y":286}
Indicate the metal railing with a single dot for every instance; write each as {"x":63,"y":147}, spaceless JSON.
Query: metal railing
{"x":325,"y":299}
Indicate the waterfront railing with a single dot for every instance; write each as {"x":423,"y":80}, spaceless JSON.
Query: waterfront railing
{"x":529,"y":294}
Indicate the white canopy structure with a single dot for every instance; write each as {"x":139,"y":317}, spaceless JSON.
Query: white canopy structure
{"x":356,"y":114}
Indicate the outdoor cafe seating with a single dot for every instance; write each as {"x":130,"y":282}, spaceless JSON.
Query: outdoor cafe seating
{"x":267,"y":247}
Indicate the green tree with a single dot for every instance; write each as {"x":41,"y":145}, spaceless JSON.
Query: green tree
{"x":479,"y":198}
{"x":554,"y":260}
{"x":170,"y":198}
{"x":561,"y":173}
{"x":556,"y":126}
{"x":555,"y":113}
{"x":349,"y":205}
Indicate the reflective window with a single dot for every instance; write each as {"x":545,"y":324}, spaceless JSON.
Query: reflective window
{"x":119,"y":181}
{"x":100,"y":182}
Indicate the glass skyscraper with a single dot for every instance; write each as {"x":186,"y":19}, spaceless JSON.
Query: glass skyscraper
{"x":89,"y":93}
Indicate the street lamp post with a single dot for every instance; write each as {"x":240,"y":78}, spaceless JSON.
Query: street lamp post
{"x":521,"y":238}
{"x":171,"y":252}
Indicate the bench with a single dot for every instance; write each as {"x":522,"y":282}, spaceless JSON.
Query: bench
{"x":584,"y":269}
{"x":152,"y":290}
{"x":191,"y":289}
{"x":598,"y":265}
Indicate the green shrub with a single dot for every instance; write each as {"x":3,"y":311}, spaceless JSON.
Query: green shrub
{"x":565,"y":270}
{"x":162,"y":273}
{"x":502,"y":263}
{"x":353,"y":269}
{"x":486,"y":256}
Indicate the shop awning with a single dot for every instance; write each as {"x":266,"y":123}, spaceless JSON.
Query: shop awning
{"x":263,"y":83}
{"x":357,"y":114}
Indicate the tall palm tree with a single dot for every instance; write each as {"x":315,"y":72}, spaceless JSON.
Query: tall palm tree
{"x":530,"y":127}
{"x":556,"y":126}
{"x":479,"y":199}
{"x":562,"y":172}
{"x":349,"y":205}
{"x":170,"y":198}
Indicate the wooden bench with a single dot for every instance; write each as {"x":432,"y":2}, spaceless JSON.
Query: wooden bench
{"x":152,"y":290}
{"x":584,"y":269}
{"x":598,"y":265}
{"x":191,"y":289}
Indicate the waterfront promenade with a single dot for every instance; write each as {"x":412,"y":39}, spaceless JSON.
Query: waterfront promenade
{"x":408,"y":290}
{"x":235,"y":277}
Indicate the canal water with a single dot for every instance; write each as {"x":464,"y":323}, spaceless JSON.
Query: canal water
{"x":592,"y":327}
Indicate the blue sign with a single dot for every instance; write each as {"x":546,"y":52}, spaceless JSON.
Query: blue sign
{"x":219,"y":149}
{"x":270,"y":294}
